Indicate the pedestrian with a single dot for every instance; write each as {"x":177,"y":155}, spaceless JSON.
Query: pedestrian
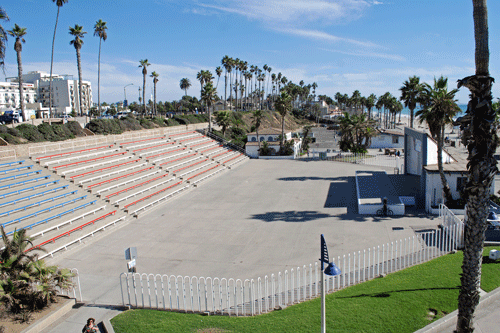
{"x":91,"y":327}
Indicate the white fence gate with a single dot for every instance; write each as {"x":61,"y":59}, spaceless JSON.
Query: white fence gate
{"x":255,"y":296}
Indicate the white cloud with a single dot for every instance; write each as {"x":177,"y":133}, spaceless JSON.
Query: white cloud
{"x":369,"y":55}
{"x":280,"y":11}
{"x":320,"y":35}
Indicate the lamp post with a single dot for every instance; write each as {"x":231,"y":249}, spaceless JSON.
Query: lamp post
{"x":125,"y":103}
{"x":331,"y":270}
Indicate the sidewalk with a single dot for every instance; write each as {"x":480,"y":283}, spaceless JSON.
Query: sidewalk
{"x":486,"y":318}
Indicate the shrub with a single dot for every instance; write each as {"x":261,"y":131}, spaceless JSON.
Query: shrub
{"x":62,"y":132}
{"x":172,"y":122}
{"x":47,"y":132}
{"x":75,"y":128}
{"x":105,"y":126}
{"x":30,"y":133}
{"x":14,"y":132}
{"x":159,"y":121}
{"x":130,"y":124}
{"x":3,"y":129}
{"x":10,"y":139}
{"x":147,"y":123}
{"x":181,"y":120}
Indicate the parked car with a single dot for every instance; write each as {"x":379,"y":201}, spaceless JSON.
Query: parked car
{"x":122,"y":114}
{"x":11,"y":117}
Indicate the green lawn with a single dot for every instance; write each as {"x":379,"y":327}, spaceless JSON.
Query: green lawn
{"x":401,"y":302}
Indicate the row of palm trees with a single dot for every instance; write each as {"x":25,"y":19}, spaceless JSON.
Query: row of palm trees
{"x":78,"y":34}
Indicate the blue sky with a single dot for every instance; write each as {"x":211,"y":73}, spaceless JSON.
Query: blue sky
{"x":342,"y":45}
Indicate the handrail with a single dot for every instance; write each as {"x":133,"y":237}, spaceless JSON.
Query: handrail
{"x":10,"y":163}
{"x":222,"y":140}
{"x":17,"y":169}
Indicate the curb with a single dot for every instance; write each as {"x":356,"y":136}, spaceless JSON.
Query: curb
{"x":50,"y":318}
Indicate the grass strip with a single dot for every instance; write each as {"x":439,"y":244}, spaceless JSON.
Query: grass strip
{"x":404,"y":301}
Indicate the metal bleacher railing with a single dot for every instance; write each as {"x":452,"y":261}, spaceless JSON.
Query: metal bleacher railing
{"x":223,"y":141}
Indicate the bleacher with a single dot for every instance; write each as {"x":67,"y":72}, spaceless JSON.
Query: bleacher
{"x":65,"y":197}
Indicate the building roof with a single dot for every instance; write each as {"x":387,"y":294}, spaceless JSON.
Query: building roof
{"x":268,"y":131}
{"x":391,"y":132}
{"x":255,"y":143}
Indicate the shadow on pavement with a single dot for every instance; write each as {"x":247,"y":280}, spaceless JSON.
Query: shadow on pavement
{"x":388,"y":293}
{"x":291,"y":216}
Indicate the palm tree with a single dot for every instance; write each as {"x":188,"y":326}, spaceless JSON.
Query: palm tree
{"x":78,"y":32}
{"x":100,"y":31}
{"x":410,"y":92}
{"x":439,"y":108}
{"x":218,"y":71}
{"x":223,"y":119}
{"x":201,"y":77}
{"x":19,"y":33}
{"x":479,"y":134}
{"x":3,"y":37}
{"x":208,"y":95}
{"x":225,"y":64}
{"x":283,"y":105}
{"x":370,"y":103}
{"x":184,"y":84}
{"x":59,"y":4}
{"x":257,"y":117}
{"x":314,"y":86}
{"x":154,"y":75}
{"x":144,"y":64}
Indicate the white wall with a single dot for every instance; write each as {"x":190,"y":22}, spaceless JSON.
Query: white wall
{"x":385,"y":141}
{"x":432,"y":153}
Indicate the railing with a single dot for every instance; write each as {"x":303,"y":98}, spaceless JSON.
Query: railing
{"x":255,"y":296}
{"x":368,"y":159}
{"x":76,"y":287}
{"x":7,"y":154}
{"x":223,"y":141}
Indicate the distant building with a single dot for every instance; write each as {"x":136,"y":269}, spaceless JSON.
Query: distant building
{"x":10,"y":98}
{"x":271,"y":136}
{"x":388,"y":139}
{"x":65,"y":93}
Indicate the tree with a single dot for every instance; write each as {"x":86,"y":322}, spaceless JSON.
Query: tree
{"x":100,"y":31}
{"x":154,"y":75}
{"x":479,"y":135}
{"x":283,"y":105}
{"x":257,"y":117}
{"x":78,"y":33}
{"x":223,"y":119}
{"x":19,"y":33}
{"x":184,"y":84}
{"x":439,"y":108}
{"x":3,"y":36}
{"x":218,"y":71}
{"x":144,"y":64}
{"x":410,"y":92}
{"x":370,"y":103}
{"x":59,"y":4}
{"x":208,"y":95}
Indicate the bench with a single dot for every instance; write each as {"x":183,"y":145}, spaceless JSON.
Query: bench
{"x":109,"y":174}
{"x":141,"y":191}
{"x":80,"y":156}
{"x":150,"y":195}
{"x":29,"y":188}
{"x":24,"y":182}
{"x":38,"y":203}
{"x":126,"y":182}
{"x":102,"y":169}
{"x":136,"y":185}
{"x":195,"y":182}
{"x":177,"y":159}
{"x":155,"y":146}
{"x":85,"y":161}
{"x":165,"y":197}
{"x":119,"y":177}
{"x":73,"y":152}
{"x":8,"y":164}
{"x":96,"y":165}
{"x":26,"y":174}
{"x":165,"y":153}
{"x":29,"y":197}
{"x":16,"y":169}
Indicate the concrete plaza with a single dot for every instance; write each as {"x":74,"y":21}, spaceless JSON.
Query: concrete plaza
{"x":260,"y":218}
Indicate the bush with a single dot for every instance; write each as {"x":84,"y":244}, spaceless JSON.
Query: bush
{"x":172,"y":122}
{"x":130,"y":124}
{"x":75,"y":128}
{"x":10,"y":139}
{"x":14,"y":132}
{"x":62,"y":132}
{"x":30,"y":133}
{"x":181,"y":120}
{"x":47,"y":132}
{"x":3,"y":129}
{"x":105,"y":126}
{"x":159,"y":121}
{"x":147,"y":123}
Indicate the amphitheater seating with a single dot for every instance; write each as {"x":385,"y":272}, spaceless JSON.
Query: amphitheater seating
{"x":103,"y":185}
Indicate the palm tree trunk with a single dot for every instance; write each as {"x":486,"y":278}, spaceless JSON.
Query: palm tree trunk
{"x":209,"y":118}
{"x":411,"y":118}
{"x":479,"y":134}
{"x":51,"y":64}
{"x":99,"y":79}
{"x":258,"y":141}
{"x":154,"y":105}
{"x":144,"y":93}
{"x":225,"y":90}
{"x":18,"y":48}
{"x":78,"y":60}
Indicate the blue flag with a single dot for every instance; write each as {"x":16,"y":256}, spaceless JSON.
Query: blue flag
{"x":324,"y":250}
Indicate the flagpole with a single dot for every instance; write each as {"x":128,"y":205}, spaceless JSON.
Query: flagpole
{"x":323,"y":311}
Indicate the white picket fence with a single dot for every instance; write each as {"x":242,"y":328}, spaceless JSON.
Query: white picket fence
{"x":255,"y":296}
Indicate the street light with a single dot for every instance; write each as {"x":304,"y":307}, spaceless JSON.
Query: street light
{"x":125,"y":104}
{"x":331,"y":270}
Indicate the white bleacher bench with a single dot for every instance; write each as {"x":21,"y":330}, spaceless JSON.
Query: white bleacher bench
{"x":85,"y":180}
{"x":165,"y":197}
{"x":70,"y":221}
{"x":196,"y":168}
{"x":143,"y":190}
{"x":126,"y":182}
{"x":173,"y":166}
{"x":236,"y":161}
{"x":91,"y":166}
{"x":218,"y":168}
{"x":72,"y":158}
{"x":79,"y":240}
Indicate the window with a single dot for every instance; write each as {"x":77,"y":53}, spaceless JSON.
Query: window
{"x":395,"y":139}
{"x":261,"y":138}
{"x":270,"y":138}
{"x":254,"y":139}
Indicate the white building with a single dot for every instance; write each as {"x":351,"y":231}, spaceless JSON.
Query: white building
{"x":11,"y":99}
{"x":65,"y":92}
{"x":388,"y":139}
{"x":271,"y":136}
